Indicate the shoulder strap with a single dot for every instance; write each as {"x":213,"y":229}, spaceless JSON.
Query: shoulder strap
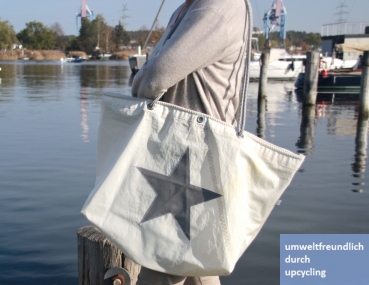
{"x":246,"y":77}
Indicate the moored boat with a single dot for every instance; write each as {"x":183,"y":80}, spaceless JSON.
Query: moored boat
{"x":136,"y":62}
{"x":346,"y":78}
{"x":337,"y":82}
{"x":105,"y":56}
{"x":282,"y":66}
{"x":76,"y":59}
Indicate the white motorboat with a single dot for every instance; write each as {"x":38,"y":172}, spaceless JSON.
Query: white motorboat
{"x":352,"y":49}
{"x":77,"y":59}
{"x":282,"y":66}
{"x":67,"y":59}
{"x":327,"y":63}
{"x":136,"y":61}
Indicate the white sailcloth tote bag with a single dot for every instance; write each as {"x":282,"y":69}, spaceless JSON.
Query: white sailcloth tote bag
{"x":179,"y":191}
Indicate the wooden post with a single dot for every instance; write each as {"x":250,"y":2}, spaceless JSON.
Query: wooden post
{"x":96,"y":254}
{"x":261,"y":117}
{"x":364,"y":91}
{"x":311,"y":77}
{"x":306,"y":140}
{"x":361,"y":142}
{"x":263,"y":78}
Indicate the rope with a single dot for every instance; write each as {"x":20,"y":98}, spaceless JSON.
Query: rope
{"x":246,"y":76}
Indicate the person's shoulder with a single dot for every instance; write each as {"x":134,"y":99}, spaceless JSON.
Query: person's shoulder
{"x":221,"y":4}
{"x":175,"y":13}
{"x":226,"y":8}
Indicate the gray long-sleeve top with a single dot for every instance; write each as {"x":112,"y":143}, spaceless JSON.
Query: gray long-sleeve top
{"x":200,"y":67}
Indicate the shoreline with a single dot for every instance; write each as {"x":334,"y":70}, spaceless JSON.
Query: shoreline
{"x":52,"y":55}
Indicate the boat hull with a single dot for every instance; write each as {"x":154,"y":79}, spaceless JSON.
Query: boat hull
{"x":136,"y":62}
{"x":278,"y":70}
{"x":334,"y":82}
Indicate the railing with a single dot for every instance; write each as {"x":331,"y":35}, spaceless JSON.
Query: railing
{"x":343,"y":29}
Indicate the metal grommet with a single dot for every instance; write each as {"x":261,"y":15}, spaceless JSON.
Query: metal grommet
{"x":150,"y":106}
{"x":200,"y":119}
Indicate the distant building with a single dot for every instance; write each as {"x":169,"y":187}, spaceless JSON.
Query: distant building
{"x":343,"y":33}
{"x":17,"y":46}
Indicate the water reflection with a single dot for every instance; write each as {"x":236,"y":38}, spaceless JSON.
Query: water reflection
{"x":305,"y":142}
{"x":329,"y":97}
{"x":39,"y":79}
{"x":84,"y":123}
{"x":359,"y":165}
{"x":101,"y":76}
{"x":7,"y":82}
{"x":335,"y":108}
{"x":289,"y":95}
{"x":341,"y":113}
{"x":262,"y":108}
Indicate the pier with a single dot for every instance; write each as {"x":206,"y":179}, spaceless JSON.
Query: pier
{"x":96,"y":255}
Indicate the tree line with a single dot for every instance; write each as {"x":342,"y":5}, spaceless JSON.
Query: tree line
{"x":295,"y":41}
{"x":96,"y":36}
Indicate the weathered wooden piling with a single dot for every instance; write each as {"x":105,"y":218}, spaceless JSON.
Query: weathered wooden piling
{"x":361,"y":143}
{"x":364,"y":91}
{"x":261,"y":117}
{"x":96,"y":254}
{"x":263,"y":78}
{"x":306,"y":139}
{"x":311,"y":77}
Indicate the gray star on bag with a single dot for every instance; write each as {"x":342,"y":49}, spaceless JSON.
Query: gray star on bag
{"x":175,"y":194}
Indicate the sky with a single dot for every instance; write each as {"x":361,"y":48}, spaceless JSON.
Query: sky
{"x":302,"y":15}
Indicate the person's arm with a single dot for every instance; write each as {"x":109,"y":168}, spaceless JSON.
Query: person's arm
{"x":199,"y":41}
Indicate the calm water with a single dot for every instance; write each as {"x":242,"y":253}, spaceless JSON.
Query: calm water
{"x":48,"y":121}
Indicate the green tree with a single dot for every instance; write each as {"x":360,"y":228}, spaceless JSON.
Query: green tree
{"x":87,"y":39}
{"x":313,"y":40}
{"x":120,"y":36}
{"x":99,"y":26}
{"x":106,"y":36}
{"x":301,"y":39}
{"x":94,"y":35}
{"x":36,"y":36}
{"x":7,"y":35}
{"x":72,"y":43}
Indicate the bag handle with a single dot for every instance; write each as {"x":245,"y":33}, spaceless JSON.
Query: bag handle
{"x":246,"y":76}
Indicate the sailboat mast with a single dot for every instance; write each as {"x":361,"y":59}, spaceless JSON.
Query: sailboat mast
{"x":153,"y":25}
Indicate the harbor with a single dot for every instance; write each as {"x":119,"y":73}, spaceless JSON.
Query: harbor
{"x":49,"y":116}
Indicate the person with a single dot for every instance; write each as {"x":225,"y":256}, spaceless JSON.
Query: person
{"x":198,"y":64}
